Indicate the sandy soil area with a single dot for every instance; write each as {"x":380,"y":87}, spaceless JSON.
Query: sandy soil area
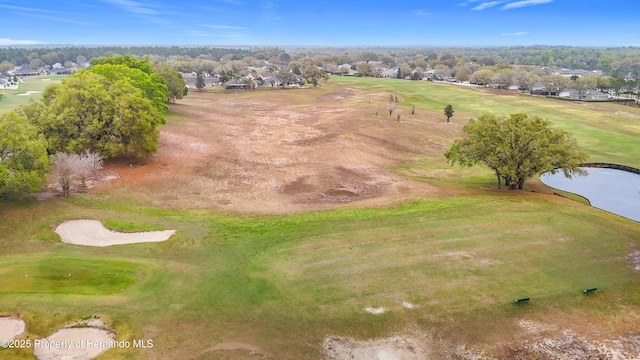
{"x":394,"y":348}
{"x":10,"y":327}
{"x":76,"y":343}
{"x":93,"y":233}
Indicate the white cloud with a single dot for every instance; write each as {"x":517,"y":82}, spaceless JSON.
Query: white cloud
{"x":224,"y":27}
{"x":4,"y":41}
{"x":134,"y":7}
{"x":270,"y":12}
{"x":486,"y":5}
{"x":523,"y":3}
{"x":231,"y":2}
{"x":519,"y":33}
{"x":421,"y":12}
{"x":20,"y":8}
{"x":467,"y":3}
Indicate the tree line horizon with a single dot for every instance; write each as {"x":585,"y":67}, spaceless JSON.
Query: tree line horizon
{"x":613,"y":61}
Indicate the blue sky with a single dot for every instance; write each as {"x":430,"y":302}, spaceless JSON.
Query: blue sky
{"x":321,"y":23}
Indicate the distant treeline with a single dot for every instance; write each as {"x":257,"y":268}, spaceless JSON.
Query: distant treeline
{"x":614,"y":61}
{"x":51,"y":55}
{"x":618,"y":62}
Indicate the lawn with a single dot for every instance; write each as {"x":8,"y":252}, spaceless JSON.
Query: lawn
{"x":609,"y":131}
{"x":284,"y":282}
{"x":35,"y":84}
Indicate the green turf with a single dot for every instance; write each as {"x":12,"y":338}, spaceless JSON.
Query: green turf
{"x":265,"y":278}
{"x":608,"y":131}
{"x":50,"y":274}
{"x":31,"y":83}
{"x":284,"y":283}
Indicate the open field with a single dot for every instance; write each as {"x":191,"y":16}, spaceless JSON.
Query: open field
{"x":32,"y":86}
{"x":296,"y":210}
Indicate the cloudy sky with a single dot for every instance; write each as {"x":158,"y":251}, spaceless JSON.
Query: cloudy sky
{"x":331,"y":23}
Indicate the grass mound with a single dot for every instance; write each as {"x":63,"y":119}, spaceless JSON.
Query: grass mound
{"x":43,"y":273}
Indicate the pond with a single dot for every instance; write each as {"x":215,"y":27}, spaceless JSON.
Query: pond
{"x":612,"y":190}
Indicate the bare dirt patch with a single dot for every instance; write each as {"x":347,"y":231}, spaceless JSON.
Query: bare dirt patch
{"x":93,"y":233}
{"x":233,"y":345}
{"x":634,"y":257}
{"x":279,"y":152}
{"x":569,"y":345}
{"x":10,"y":327}
{"x":393,"y":348}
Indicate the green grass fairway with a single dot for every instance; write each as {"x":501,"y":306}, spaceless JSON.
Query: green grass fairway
{"x":68,"y":275}
{"x":609,"y":131}
{"x":31,"y":83}
{"x":283,"y":283}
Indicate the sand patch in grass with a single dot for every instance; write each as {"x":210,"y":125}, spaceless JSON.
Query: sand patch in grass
{"x":393,"y":348}
{"x":93,"y":233}
{"x":76,"y":343}
{"x":10,"y":327}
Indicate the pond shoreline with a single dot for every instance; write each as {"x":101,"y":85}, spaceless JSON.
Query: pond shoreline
{"x":611,"y":166}
{"x":610,"y":187}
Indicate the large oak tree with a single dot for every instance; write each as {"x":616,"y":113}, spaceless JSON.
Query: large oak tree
{"x":23,"y":155}
{"x":91,"y":112}
{"x":516,"y":148}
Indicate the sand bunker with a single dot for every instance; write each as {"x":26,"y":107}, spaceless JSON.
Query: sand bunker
{"x":93,"y":233}
{"x":29,"y":93}
{"x":375,"y":311}
{"x":10,"y":327}
{"x":75,"y":343}
{"x":394,"y":348}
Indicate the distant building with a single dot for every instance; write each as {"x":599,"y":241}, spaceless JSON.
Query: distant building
{"x":59,"y":71}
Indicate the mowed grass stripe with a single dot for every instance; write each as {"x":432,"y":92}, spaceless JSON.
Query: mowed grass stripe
{"x":609,"y":132}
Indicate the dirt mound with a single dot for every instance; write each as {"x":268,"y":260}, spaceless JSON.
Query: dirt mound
{"x":393,"y":348}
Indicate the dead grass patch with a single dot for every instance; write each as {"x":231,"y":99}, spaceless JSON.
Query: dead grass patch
{"x":277,"y":152}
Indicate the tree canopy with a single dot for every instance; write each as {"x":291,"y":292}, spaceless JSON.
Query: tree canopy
{"x":152,"y":85}
{"x":91,"y":112}
{"x":516,"y":148}
{"x":174,"y":82}
{"x":23,"y":155}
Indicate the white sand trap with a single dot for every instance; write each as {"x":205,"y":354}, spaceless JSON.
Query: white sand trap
{"x":29,"y":93}
{"x":74,"y":344}
{"x":394,"y":348}
{"x":93,"y":233}
{"x":375,"y":311}
{"x":10,"y":327}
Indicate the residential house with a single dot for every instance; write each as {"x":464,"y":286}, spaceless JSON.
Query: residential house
{"x":539,"y":89}
{"x":236,"y":84}
{"x":389,"y":73}
{"x":24,"y":70}
{"x":593,"y":95}
{"x":59,"y":71}
{"x":270,"y":79}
